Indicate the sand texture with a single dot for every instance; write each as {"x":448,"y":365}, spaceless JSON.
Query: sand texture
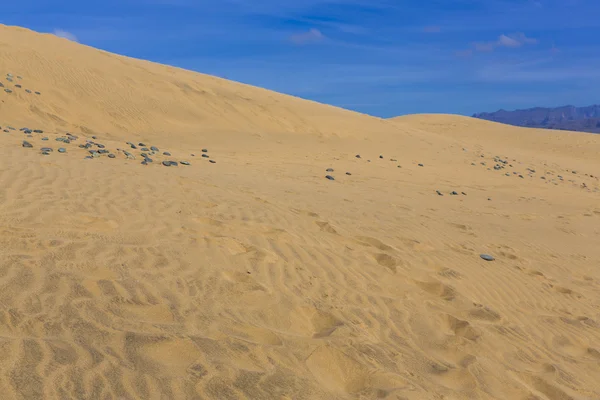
{"x":255,"y":277}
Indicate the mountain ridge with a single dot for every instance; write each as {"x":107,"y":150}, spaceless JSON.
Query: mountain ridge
{"x":568,"y":117}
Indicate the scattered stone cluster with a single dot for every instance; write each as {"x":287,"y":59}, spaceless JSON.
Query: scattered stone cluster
{"x":11,"y":79}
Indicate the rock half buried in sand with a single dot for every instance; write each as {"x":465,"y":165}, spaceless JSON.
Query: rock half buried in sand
{"x":27,"y":144}
{"x":169,"y":163}
{"x":329,"y":170}
{"x":62,"y":150}
{"x":184,"y":162}
{"x":111,"y":156}
{"x":331,"y":178}
{"x":487,"y":257}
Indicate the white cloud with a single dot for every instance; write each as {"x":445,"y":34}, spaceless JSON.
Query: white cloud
{"x":513,"y":40}
{"x":312,"y":36}
{"x":66,"y":35}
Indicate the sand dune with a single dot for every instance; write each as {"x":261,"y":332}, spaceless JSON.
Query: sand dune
{"x":254,"y":277}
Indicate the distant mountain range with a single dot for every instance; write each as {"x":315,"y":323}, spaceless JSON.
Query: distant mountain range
{"x":569,"y":118}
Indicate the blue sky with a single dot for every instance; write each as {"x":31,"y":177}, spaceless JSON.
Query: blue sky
{"x":381,"y":57}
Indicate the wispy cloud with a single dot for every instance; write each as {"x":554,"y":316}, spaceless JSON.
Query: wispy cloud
{"x":511,"y":41}
{"x":65,"y":35}
{"x":312,"y":36}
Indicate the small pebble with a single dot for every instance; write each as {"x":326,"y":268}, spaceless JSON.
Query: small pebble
{"x":331,"y":178}
{"x":205,"y":150}
{"x":212,"y":161}
{"x":453,"y":193}
{"x":184,"y":162}
{"x":38,"y":93}
{"x":62,"y":150}
{"x":27,"y":144}
{"x":439,"y":193}
{"x":487,"y":257}
{"x":111,"y":156}
{"x":44,"y":138}
{"x":154,"y":148}
{"x":28,"y":91}
{"x":357,"y":156}
{"x":46,"y":149}
{"x":348,"y":173}
{"x":380,"y":156}
{"x":166,"y":153}
{"x":329,"y":170}
{"x":420,"y":165}
{"x":205,"y":155}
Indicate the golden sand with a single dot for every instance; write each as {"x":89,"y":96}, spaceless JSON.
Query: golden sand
{"x":257,"y":278}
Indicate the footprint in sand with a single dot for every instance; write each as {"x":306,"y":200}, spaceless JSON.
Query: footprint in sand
{"x":372,"y":242}
{"x":438,"y":289}
{"x":566,"y":291}
{"x":484,"y":313}
{"x":460,"y":328}
{"x":385,"y":260}
{"x":326,"y":227}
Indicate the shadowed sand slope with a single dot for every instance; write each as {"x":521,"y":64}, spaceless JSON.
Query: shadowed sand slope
{"x":254,"y":277}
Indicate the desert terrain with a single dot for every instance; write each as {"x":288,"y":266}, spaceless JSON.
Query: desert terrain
{"x":256,"y":277}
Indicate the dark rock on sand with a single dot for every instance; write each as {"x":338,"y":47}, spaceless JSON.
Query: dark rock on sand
{"x":329,"y":170}
{"x":27,"y":144}
{"x":62,"y":150}
{"x":184,"y":163}
{"x":487,"y":257}
{"x":111,"y":156}
{"x":331,"y":178}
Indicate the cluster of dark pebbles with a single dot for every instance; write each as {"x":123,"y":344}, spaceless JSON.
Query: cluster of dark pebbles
{"x":97,"y":150}
{"x":11,"y":78}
